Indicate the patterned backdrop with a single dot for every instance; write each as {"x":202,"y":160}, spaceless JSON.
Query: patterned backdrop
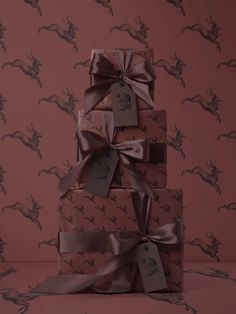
{"x":44,"y":59}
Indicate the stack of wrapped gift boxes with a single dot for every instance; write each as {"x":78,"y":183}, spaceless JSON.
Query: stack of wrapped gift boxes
{"x":126,"y":231}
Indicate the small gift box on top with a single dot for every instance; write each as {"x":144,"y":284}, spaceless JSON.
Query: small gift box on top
{"x":122,"y":80}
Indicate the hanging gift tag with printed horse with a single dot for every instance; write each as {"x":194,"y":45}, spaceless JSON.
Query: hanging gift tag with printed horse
{"x":123,"y":105}
{"x":150,"y":267}
{"x":101,"y":173}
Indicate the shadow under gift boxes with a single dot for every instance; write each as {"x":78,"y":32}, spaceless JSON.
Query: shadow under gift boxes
{"x":82,"y":212}
{"x":151,"y":127}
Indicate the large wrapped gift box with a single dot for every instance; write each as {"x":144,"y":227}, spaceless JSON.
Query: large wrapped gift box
{"x":152,"y":126}
{"x":82,"y":212}
{"x":113,"y":56}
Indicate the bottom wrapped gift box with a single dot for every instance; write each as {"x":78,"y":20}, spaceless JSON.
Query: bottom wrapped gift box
{"x":127,"y":242}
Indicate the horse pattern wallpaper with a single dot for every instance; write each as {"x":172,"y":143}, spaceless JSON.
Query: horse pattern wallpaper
{"x":45,"y":51}
{"x":45,"y":58}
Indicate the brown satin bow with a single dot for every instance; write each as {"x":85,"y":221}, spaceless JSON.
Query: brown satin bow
{"x":92,"y":143}
{"x":122,"y":244}
{"x":104,"y":74}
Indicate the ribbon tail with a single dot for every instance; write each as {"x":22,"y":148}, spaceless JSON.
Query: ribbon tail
{"x":72,"y":283}
{"x":70,"y":178}
{"x":96,"y":93}
{"x":141,"y":90}
{"x":121,"y":281}
{"x":65,"y":284}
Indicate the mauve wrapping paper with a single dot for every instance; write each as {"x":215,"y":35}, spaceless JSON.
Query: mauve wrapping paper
{"x":81,"y":211}
{"x":152,"y":126}
{"x":139,"y":55}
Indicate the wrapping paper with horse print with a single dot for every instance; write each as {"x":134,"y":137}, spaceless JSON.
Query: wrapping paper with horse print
{"x":152,"y":126}
{"x":139,"y":55}
{"x":81,"y":211}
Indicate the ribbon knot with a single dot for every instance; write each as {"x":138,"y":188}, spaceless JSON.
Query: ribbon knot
{"x":121,"y":76}
{"x":92,"y":143}
{"x":144,"y":238}
{"x":112,"y":146}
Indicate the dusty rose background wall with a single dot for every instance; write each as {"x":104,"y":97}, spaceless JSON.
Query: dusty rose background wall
{"x":30,"y":168}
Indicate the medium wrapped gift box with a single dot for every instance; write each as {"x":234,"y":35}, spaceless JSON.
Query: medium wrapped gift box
{"x":152,"y":126}
{"x":135,"y":67}
{"x":83,"y":212}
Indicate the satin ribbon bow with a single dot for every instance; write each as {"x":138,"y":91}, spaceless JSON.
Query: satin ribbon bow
{"x":92,"y":143}
{"x":123,"y":245}
{"x":104,"y":74}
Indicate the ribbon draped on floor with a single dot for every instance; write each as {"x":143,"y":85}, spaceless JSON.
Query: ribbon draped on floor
{"x":105,"y":73}
{"x":123,"y":246}
{"x":92,"y":144}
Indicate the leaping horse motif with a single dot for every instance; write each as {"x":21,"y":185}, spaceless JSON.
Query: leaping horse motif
{"x":31,"y":142}
{"x":56,"y":171}
{"x":211,"y":34}
{"x":31,"y":70}
{"x":68,"y":106}
{"x":174,"y":70}
{"x":211,"y":106}
{"x":29,"y":213}
{"x":65,"y":34}
{"x":208,"y":177}
{"x":138,"y":34}
{"x":211,"y":249}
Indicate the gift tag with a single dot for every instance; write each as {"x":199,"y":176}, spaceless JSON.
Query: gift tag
{"x":150,"y":267}
{"x":123,"y":105}
{"x":101,"y":173}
